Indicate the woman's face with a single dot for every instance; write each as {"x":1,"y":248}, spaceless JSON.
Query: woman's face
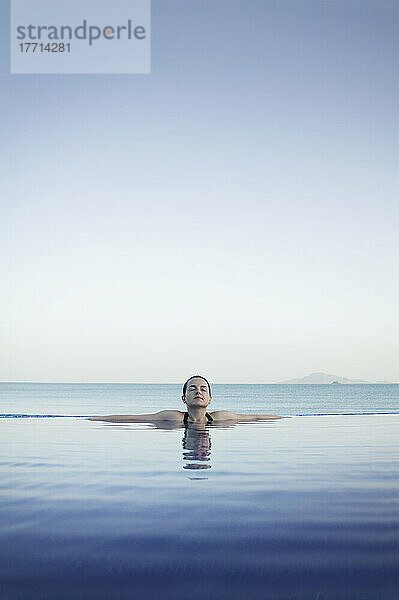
{"x":197,"y":393}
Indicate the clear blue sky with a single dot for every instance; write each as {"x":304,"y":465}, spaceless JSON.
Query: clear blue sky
{"x":233,"y":213}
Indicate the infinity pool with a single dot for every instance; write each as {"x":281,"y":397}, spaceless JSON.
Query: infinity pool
{"x":300,"y":508}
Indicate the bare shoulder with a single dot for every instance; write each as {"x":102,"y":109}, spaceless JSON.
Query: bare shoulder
{"x":169,"y":415}
{"x":225,"y":415}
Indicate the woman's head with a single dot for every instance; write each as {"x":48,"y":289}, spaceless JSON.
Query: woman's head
{"x":197,"y":391}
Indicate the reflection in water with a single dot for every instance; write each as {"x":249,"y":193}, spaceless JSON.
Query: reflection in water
{"x":197,"y":446}
{"x":196,"y":441}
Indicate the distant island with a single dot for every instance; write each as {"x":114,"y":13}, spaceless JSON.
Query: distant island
{"x":325,"y":378}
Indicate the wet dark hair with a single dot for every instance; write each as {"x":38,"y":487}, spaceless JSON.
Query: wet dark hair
{"x":192,"y":377}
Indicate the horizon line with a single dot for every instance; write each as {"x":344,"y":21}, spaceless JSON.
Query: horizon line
{"x":285,"y":382}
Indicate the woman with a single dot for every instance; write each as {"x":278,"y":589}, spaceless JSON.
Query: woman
{"x":196,"y":396}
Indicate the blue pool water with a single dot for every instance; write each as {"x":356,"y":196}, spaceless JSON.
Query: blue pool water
{"x":301,"y":508}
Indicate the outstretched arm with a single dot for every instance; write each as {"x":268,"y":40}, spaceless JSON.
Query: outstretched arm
{"x":257,"y":417}
{"x":225,"y":415}
{"x":162,"y":415}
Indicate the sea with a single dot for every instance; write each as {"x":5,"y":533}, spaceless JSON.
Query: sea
{"x":301,"y":508}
